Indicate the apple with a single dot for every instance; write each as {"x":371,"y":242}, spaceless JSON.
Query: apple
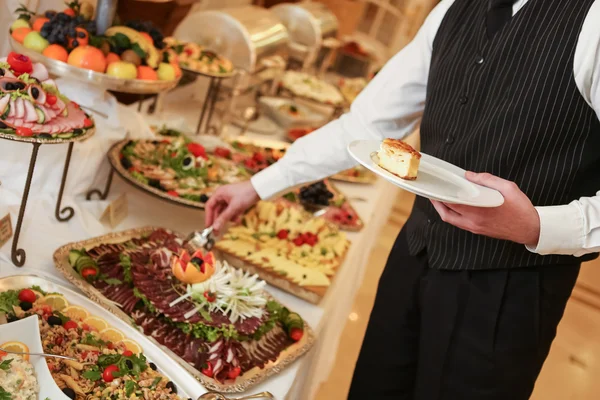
{"x":20,"y":23}
{"x":166,"y":72}
{"x":34,"y":41}
{"x":122,"y":69}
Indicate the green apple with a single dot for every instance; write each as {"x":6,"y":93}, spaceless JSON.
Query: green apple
{"x":122,"y":69}
{"x":20,"y":23}
{"x":35,"y":42}
{"x":166,"y":72}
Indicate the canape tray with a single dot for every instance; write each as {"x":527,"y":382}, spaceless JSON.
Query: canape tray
{"x":242,"y":383}
{"x":89,"y":133}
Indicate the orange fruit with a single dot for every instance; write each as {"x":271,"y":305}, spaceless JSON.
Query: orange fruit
{"x":39,"y":22}
{"x":112,"y":57}
{"x":88,"y":57}
{"x":81,"y":41}
{"x":146,"y":73}
{"x":148,"y":37}
{"x":69,"y":11}
{"x":57,"y":52}
{"x":20,"y":33}
{"x":177,"y":69}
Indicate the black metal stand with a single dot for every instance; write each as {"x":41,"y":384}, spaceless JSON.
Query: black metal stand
{"x":104,"y":194}
{"x":68,"y":210}
{"x":208,"y":107}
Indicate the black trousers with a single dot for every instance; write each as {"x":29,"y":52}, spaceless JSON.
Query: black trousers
{"x":459,"y":335}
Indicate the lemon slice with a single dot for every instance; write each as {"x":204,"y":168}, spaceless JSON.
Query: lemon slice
{"x":16,"y":347}
{"x":112,"y":335}
{"x":131,"y":346}
{"x":56,"y":301}
{"x":76,"y":313}
{"x":96,"y":323}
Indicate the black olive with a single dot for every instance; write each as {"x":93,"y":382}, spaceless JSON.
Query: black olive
{"x":129,"y":364}
{"x":203,"y":198}
{"x":81,"y":34}
{"x":78,"y":131}
{"x":53,"y":320}
{"x":171,"y":385}
{"x":126,"y":163}
{"x":25,"y":305}
{"x":70,"y":393}
{"x":152,"y":366}
{"x":19,"y":85}
{"x":9,"y":86}
{"x":197,"y":260}
{"x":187,"y":161}
{"x":12,"y":318}
{"x":155,"y":183}
{"x":3,"y":125}
{"x":35,"y":92}
{"x":45,"y":136}
{"x":2,"y":72}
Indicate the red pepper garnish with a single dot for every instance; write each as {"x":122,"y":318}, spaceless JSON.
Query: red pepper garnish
{"x":210,"y":296}
{"x":19,"y":63}
{"x":197,"y":150}
{"x":25,"y":132}
{"x":296,"y":334}
{"x":87,"y":122}
{"x":283,"y":234}
{"x":234,"y":373}
{"x":173,"y":193}
{"x":70,"y":325}
{"x":207,"y":369}
{"x":299,"y":241}
{"x":50,"y":99}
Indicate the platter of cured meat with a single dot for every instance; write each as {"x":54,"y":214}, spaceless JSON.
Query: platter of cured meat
{"x":175,"y":169}
{"x":287,"y":247}
{"x":216,"y":321}
{"x":109,"y":356}
{"x":32,"y":109}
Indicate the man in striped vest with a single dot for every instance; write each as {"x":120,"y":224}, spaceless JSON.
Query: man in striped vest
{"x":468,"y":304}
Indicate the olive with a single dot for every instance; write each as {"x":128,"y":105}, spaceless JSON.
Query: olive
{"x":3,"y":125}
{"x":188,"y":162}
{"x":35,"y":92}
{"x":152,"y":366}
{"x":25,"y":305}
{"x":126,"y":163}
{"x":78,"y":131}
{"x":45,"y":136}
{"x":155,"y":183}
{"x":9,"y":86}
{"x":171,"y":385}
{"x":203,"y":198}
{"x":129,"y":364}
{"x":2,"y":72}
{"x":197,"y":261}
{"x":53,"y":320}
{"x":19,"y":85}
{"x":70,"y":393}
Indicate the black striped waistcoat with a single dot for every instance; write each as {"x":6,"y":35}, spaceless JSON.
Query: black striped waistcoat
{"x":508,"y":106}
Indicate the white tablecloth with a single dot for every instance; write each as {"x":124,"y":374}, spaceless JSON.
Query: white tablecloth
{"x":42,"y":234}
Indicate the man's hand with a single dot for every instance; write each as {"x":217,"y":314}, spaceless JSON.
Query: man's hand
{"x":229,"y":203}
{"x":515,"y":220}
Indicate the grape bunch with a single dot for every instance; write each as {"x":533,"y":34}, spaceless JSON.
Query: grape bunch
{"x":62,"y":26}
{"x":317,"y":193}
{"x":149,"y":28}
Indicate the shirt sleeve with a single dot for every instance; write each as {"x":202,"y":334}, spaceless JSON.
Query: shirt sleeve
{"x":574,"y":229}
{"x":390,"y":106}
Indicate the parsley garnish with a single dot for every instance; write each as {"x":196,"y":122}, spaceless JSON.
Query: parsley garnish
{"x":5,"y":365}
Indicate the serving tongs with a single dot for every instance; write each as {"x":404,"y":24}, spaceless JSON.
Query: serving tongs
{"x":203,"y":240}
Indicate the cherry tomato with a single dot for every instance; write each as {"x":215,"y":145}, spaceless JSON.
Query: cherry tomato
{"x":86,"y":327}
{"x":234,"y":373}
{"x":196,"y":149}
{"x":87,"y":122}
{"x":283,"y":234}
{"x":296,"y":334}
{"x":50,"y":99}
{"x":311,"y":240}
{"x":299,"y":241}
{"x":209,"y":296}
{"x":22,"y":131}
{"x":89,"y":272}
{"x":19,"y":63}
{"x":222,"y":152}
{"x":110,"y":346}
{"x":46,"y":309}
{"x":107,"y":375}
{"x":250,"y":163}
{"x":27,"y":295}
{"x":58,"y":341}
{"x":258,"y":157}
{"x":207,"y":369}
{"x":69,"y":11}
{"x":127,"y":353}
{"x":70,"y":325}
{"x":173,"y":193}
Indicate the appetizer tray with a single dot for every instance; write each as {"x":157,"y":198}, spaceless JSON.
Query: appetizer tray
{"x":287,"y":247}
{"x":86,"y":135}
{"x":185,"y":385}
{"x":196,"y":59}
{"x":146,"y":238}
{"x":138,"y":179}
{"x":107,"y":82}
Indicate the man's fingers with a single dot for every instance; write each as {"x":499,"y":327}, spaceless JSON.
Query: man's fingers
{"x":491,"y":181}
{"x":225,"y":216}
{"x":210,"y":209}
{"x":447,"y":214}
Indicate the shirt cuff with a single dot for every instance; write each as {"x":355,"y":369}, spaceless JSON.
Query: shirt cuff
{"x":562,"y":230}
{"x":269,"y":182}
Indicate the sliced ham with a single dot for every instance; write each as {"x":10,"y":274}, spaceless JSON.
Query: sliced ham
{"x":30,"y":114}
{"x":3,"y":102}
{"x":20,"y":108}
{"x":75,"y":120}
{"x":39,"y":72}
{"x":13,"y":107}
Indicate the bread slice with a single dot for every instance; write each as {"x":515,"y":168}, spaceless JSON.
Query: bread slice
{"x":399,"y":158}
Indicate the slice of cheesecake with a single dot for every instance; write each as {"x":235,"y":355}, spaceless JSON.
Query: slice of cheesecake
{"x":399,"y":158}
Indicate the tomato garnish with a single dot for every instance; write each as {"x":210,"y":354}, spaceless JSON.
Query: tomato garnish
{"x":258,"y":157}
{"x":19,"y":63}
{"x":207,"y":369}
{"x":27,"y":295}
{"x":283,"y":234}
{"x":50,"y":99}
{"x":222,"y":152}
{"x":197,"y":149}
{"x":87,"y":122}
{"x":234,"y":373}
{"x":107,"y":375}
{"x":299,"y":241}
{"x":127,"y":353}
{"x":89,"y":272}
{"x":22,"y":131}
{"x":296,"y":334}
{"x":173,"y":193}
{"x":210,"y":296}
{"x":70,"y":325}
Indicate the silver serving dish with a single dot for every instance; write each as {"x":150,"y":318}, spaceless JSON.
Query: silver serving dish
{"x":245,"y":35}
{"x":89,"y":133}
{"x":59,"y":68}
{"x":187,"y":386}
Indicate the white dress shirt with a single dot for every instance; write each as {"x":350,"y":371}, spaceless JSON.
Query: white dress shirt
{"x":392,"y":106}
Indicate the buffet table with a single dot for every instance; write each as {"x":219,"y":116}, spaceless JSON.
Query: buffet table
{"x":42,"y":233}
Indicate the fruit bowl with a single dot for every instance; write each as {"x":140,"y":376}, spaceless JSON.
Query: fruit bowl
{"x":107,"y":82}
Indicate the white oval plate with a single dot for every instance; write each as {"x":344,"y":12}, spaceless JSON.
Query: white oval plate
{"x":436,"y":180}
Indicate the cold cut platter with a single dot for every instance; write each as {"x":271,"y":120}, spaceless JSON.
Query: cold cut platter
{"x":216,"y":321}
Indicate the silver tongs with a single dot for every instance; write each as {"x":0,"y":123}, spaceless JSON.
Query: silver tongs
{"x":200,"y":240}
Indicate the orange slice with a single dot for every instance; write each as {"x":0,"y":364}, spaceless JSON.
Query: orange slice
{"x":112,"y":335}
{"x":56,"y":301}
{"x":16,"y":347}
{"x":76,"y":313}
{"x":132,"y":346}
{"x":97,"y":323}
